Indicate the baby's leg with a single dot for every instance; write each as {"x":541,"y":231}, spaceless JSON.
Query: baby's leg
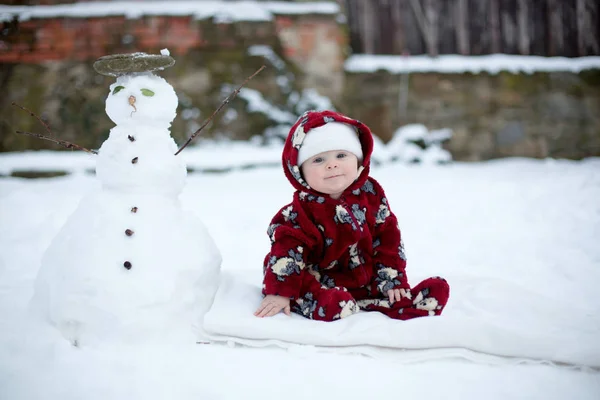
{"x":324,"y":304}
{"x":428,"y":298}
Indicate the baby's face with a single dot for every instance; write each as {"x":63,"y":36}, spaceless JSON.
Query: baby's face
{"x":331,"y":172}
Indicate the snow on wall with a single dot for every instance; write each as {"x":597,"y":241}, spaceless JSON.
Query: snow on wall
{"x":225,"y":11}
{"x":365,"y":63}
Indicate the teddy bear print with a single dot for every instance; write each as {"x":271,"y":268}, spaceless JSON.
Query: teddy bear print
{"x":347,"y":308}
{"x":271,"y":232}
{"x":286,"y":266}
{"x":342,"y":216}
{"x":365,"y":303}
{"x":429,"y":304}
{"x":289,"y":215}
{"x":368,"y":188}
{"x":376,"y":244}
{"x":382,"y":213}
{"x":309,"y":197}
{"x":401,"y":251}
{"x":295,"y":171}
{"x":326,"y":281}
{"x":306,"y":305}
{"x":387,"y":278}
{"x":298,"y":136}
{"x":359,"y":214}
{"x":355,"y":259}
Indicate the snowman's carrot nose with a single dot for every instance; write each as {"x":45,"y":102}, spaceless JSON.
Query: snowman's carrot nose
{"x":132,"y":103}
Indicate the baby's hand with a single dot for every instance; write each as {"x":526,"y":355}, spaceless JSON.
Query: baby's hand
{"x":271,"y":305}
{"x":396,"y":294}
{"x":406,"y":293}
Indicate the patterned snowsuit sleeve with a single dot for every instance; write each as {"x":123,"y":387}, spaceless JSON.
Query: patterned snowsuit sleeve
{"x":389,"y":260}
{"x":284,"y":266}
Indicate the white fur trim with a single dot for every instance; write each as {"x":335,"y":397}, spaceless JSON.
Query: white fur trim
{"x":331,"y":136}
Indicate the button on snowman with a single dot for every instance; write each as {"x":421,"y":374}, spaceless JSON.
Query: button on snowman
{"x":130,"y":263}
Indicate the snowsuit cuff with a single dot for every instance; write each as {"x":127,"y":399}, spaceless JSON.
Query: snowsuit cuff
{"x":282,"y":290}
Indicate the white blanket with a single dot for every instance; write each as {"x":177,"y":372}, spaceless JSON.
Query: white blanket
{"x":491,"y":321}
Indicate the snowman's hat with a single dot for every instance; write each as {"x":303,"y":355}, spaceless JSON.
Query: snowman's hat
{"x":131,"y":63}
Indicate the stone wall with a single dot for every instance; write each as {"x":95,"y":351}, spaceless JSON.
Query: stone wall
{"x":539,"y":115}
{"x":46,"y":65}
{"x":315,"y":42}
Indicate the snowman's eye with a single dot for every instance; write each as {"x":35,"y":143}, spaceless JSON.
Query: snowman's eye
{"x":147,"y":92}
{"x":118,"y":89}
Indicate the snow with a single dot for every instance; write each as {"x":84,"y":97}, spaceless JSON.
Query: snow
{"x":257,"y":103}
{"x":130,"y":261}
{"x":223,"y":11}
{"x":268,"y":53}
{"x":403,"y":146}
{"x":503,"y":233}
{"x":291,"y":8}
{"x":455,"y":64}
{"x":142,"y":106}
{"x":208,"y":154}
{"x":154,"y":101}
{"x":47,"y":160}
{"x":310,"y":99}
{"x":283,"y":77}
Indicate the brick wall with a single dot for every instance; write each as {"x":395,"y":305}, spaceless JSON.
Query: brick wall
{"x":315,"y":43}
{"x":208,"y":54}
{"x":36,"y":40}
{"x":39,"y":40}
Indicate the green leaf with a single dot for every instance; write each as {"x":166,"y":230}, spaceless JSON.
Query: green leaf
{"x":118,"y":89}
{"x":147,"y":92}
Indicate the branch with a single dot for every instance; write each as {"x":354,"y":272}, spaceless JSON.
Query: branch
{"x":64,"y":143}
{"x":36,"y":117}
{"x":225,"y":102}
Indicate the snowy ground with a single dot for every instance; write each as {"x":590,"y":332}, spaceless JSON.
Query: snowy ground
{"x":531,"y":223}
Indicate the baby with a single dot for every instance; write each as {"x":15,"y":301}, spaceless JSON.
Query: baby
{"x":336,"y":248}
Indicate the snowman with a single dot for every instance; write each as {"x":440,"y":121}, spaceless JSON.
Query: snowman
{"x":130,"y":263}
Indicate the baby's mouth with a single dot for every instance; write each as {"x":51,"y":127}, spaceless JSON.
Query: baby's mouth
{"x":333,"y":176}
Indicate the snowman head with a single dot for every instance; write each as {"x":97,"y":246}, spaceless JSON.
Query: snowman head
{"x":141,"y":99}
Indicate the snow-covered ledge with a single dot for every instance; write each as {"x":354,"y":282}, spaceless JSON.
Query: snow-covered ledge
{"x":453,"y":64}
{"x":497,"y":105}
{"x":226,"y":11}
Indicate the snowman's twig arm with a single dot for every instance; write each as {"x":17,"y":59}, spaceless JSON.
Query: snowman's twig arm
{"x":223,"y":104}
{"x":64,"y":143}
{"x":46,"y":126}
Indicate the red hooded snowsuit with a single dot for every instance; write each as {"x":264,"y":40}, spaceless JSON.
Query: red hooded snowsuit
{"x":334,"y":257}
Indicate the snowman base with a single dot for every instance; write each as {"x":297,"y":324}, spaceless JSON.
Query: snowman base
{"x":84,"y":289}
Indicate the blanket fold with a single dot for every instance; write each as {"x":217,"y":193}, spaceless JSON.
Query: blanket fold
{"x":484,"y":321}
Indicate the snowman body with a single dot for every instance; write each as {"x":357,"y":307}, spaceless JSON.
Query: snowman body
{"x":130,"y":263}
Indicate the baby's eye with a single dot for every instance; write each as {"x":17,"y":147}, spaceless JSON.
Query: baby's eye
{"x":147,"y":92}
{"x":118,"y":89}
{"x":318,"y":160}
{"x":341,"y":155}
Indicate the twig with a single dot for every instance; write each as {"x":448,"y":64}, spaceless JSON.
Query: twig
{"x":64,"y":143}
{"x":36,"y":116}
{"x":225,"y":102}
